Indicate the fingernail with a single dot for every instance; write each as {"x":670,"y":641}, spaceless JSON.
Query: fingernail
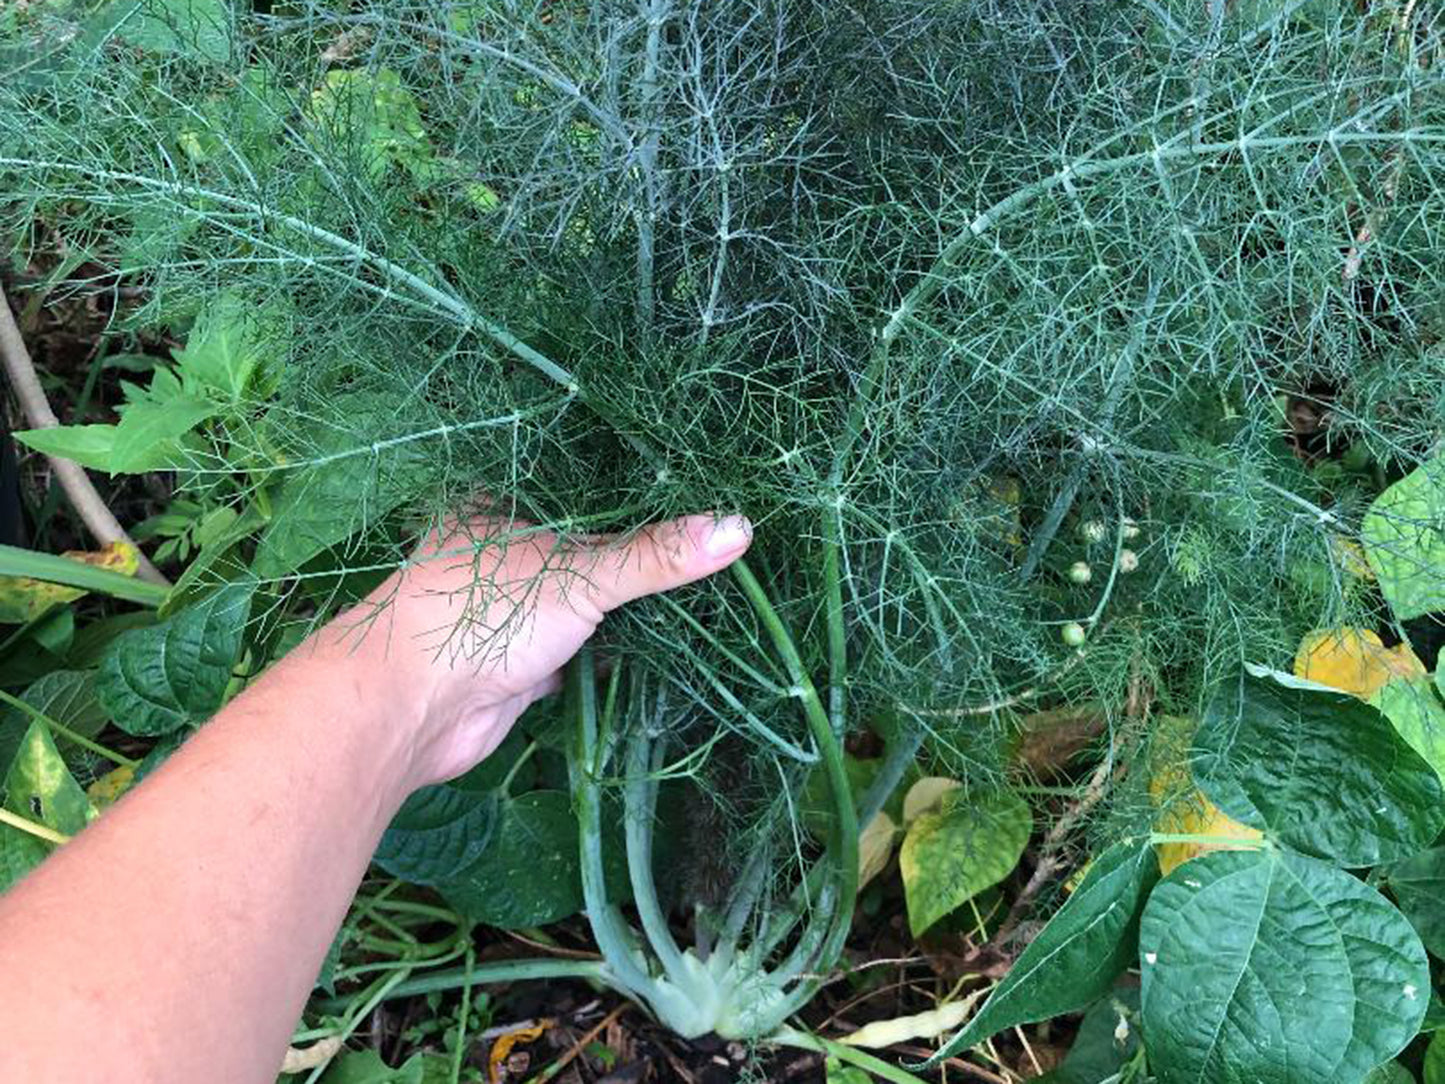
{"x":723,"y":537}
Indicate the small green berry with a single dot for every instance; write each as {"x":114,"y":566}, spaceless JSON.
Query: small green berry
{"x":1073,"y":634}
{"x":1080,"y":572}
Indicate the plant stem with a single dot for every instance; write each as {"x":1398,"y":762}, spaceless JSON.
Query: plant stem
{"x":640,"y":797}
{"x":87,"y":502}
{"x":852,"y":1055}
{"x":614,"y":939}
{"x":487,"y":974}
{"x":65,"y":731}
{"x":39,"y":831}
{"x":15,"y":561}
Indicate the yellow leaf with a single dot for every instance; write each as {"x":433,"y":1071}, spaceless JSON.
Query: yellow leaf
{"x":1184,"y":809}
{"x":1354,"y":661}
{"x":875,"y":847}
{"x":23,"y":599}
{"x":105,"y":790}
{"x":502,"y":1048}
{"x":925,"y":795}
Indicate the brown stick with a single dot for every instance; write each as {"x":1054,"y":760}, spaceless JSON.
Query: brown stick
{"x":71,"y":475}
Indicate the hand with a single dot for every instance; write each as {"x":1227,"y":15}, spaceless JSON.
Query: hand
{"x":480,"y":625}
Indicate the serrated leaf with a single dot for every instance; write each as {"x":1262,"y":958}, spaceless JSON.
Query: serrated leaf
{"x":970,"y":843}
{"x":174,"y":674}
{"x":1404,"y":536}
{"x":92,"y":446}
{"x":1418,"y":885}
{"x":1318,"y":770}
{"x":1270,"y":967}
{"x":1076,"y":957}
{"x":222,"y":352}
{"x":146,"y":438}
{"x":531,"y":873}
{"x":343,"y":485}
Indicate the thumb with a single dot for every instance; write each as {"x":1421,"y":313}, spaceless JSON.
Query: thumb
{"x":666,"y":555}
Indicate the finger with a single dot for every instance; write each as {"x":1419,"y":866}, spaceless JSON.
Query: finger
{"x":663,"y":556}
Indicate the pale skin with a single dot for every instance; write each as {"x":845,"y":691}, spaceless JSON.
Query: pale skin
{"x":177,"y":938}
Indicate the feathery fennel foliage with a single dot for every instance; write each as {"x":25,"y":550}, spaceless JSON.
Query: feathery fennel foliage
{"x":920,"y":286}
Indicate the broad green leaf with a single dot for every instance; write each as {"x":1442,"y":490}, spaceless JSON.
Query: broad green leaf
{"x":1416,"y":712}
{"x":39,"y":786}
{"x":66,"y":696}
{"x":438,"y":833}
{"x":1404,"y":536}
{"x":530,"y":874}
{"x":146,"y":438}
{"x":92,"y":446}
{"x":222,"y":351}
{"x":1075,"y":958}
{"x":1269,"y":967}
{"x":835,"y":1072}
{"x":366,"y":1067}
{"x":1392,"y":1072}
{"x":1418,"y":885}
{"x":174,"y":674}
{"x":1107,"y":1039}
{"x":1316,"y":769}
{"x":341,"y":485}
{"x":970,"y":843}
{"x":1433,"y":1071}
{"x":192,"y":28}
{"x":20,"y":852}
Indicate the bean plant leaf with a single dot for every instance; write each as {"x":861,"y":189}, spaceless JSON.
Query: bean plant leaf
{"x":1418,"y":885}
{"x":1075,"y":958}
{"x":1392,"y":1072}
{"x":1270,"y":967}
{"x":156,"y":680}
{"x":1415,"y":710}
{"x":1319,"y":770}
{"x":1433,"y":1070}
{"x":531,"y":874}
{"x":1404,"y":535}
{"x":969,"y":844}
{"x":66,"y":696}
{"x":438,"y":833}
{"x":1107,"y":1039}
{"x":39,"y":786}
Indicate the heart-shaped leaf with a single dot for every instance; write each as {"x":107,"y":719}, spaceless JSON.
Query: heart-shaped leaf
{"x":158,"y":679}
{"x":1269,"y":967}
{"x":1319,"y":770}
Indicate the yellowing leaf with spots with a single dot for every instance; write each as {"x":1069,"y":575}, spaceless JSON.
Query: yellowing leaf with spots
{"x":23,"y":599}
{"x":105,"y":790}
{"x":1354,"y":661}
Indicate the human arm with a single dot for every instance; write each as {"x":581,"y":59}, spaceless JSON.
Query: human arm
{"x":178,"y":936}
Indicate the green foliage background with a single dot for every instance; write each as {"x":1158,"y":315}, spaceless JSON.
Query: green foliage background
{"x":921,"y":286}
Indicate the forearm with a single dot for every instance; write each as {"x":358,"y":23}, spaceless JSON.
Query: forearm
{"x":205,"y":901}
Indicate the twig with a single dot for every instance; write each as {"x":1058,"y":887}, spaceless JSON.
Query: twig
{"x":581,"y":1044}
{"x":71,"y":475}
